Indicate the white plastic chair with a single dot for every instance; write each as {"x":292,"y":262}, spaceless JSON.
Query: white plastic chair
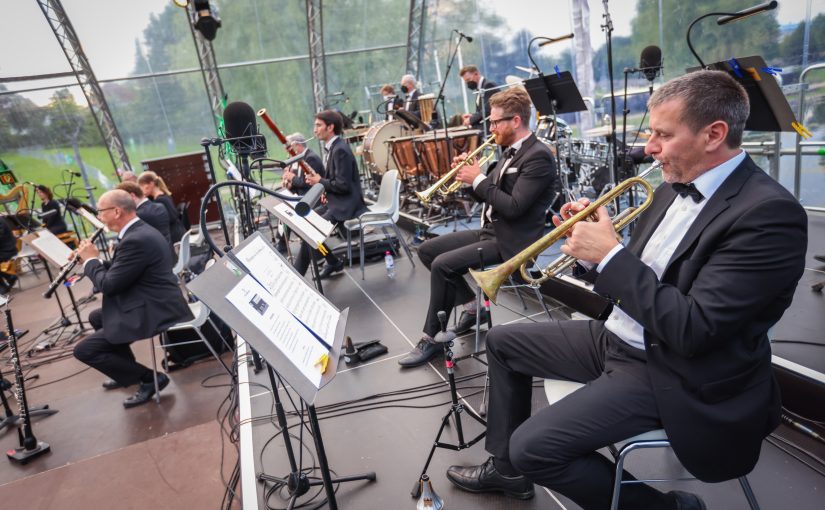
{"x":384,"y":213}
{"x":201,"y":314}
{"x":557,"y":389}
{"x":184,"y":254}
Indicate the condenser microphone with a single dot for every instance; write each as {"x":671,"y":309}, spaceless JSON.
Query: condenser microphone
{"x":462,"y":34}
{"x":241,"y":128}
{"x":744,"y":13}
{"x":308,"y":201}
{"x":650,"y":63}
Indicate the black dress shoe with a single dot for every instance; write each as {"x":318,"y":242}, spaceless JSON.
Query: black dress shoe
{"x":421,"y":353}
{"x":467,"y":321}
{"x":329,"y":270}
{"x":687,"y":501}
{"x":111,"y":384}
{"x":485,"y":478}
{"x":146,"y":391}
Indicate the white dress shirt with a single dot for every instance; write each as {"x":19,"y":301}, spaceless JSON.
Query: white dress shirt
{"x":487,"y":215}
{"x":327,"y":147}
{"x":664,"y":241}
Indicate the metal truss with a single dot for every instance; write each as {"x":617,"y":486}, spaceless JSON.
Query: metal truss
{"x":209,"y":71}
{"x":67,"y":37}
{"x":317,"y":60}
{"x":415,"y":36}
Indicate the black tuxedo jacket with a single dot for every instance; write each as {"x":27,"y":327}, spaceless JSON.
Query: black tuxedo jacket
{"x":299,"y":186}
{"x":520,"y":198}
{"x":414,"y":108}
{"x":478,"y":116}
{"x":141,"y":296}
{"x":156,"y":216}
{"x":706,"y":320}
{"x":342,"y":184}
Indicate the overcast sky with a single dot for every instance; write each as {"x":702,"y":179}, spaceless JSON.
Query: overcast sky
{"x":108,"y":28}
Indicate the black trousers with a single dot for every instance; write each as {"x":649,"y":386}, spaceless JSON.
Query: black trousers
{"x":448,"y":258}
{"x":304,"y":257}
{"x":556,"y":447}
{"x":116,"y":361}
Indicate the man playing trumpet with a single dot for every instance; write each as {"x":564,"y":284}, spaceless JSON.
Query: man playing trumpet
{"x":712,"y":265}
{"x":516,"y":193}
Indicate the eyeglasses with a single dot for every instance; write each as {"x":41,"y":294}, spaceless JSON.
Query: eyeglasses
{"x":104,"y":209}
{"x":494,"y":123}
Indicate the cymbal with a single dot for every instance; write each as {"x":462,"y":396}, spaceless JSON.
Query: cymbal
{"x":513,"y":80}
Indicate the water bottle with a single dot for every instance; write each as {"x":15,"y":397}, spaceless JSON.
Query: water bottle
{"x":390,"y":263}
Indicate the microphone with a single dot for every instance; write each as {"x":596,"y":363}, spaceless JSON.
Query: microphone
{"x":308,"y":201}
{"x":334,"y":94}
{"x":744,"y":13}
{"x":241,"y":128}
{"x":47,"y":214}
{"x":650,"y":63}
{"x":76,"y":174}
{"x":294,"y":159}
{"x":462,"y":34}
{"x":551,"y":40}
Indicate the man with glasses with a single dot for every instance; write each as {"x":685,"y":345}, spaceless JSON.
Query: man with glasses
{"x":515,"y":193}
{"x":293,"y":177}
{"x":141,"y":297}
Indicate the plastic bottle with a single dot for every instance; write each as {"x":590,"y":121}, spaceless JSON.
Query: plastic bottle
{"x":390,"y":263}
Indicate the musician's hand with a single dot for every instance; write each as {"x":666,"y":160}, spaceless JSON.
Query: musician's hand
{"x":468,"y":173}
{"x":465,"y":119}
{"x":591,"y":241}
{"x":87,"y":250}
{"x":569,"y":209}
{"x":312,"y":179}
{"x":458,"y":159}
{"x":287,"y":177}
{"x":324,"y":199}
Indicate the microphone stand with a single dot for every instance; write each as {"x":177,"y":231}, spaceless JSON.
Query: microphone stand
{"x":608,"y":30}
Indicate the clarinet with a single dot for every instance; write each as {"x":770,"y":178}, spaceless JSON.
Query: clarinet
{"x":64,"y":273}
{"x":27,"y":439}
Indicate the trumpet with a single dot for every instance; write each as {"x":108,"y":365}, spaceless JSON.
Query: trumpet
{"x":443,"y":186}
{"x":490,"y":281}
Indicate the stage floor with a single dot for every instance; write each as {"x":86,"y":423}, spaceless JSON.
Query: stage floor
{"x":374,"y":417}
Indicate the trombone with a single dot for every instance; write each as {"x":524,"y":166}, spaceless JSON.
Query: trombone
{"x":490,"y":281}
{"x":443,"y":186}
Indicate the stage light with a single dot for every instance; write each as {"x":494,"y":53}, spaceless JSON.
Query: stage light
{"x":206,"y":19}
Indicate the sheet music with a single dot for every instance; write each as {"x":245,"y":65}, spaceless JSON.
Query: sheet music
{"x":48,"y":245}
{"x":281,"y":328}
{"x":315,"y":219}
{"x":289,"y":288}
{"x":304,"y":228}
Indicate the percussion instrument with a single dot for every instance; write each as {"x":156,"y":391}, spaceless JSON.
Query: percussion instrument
{"x":402,"y":150}
{"x":546,"y":129}
{"x":376,"y":148}
{"x":435,"y":156}
{"x":426,"y":104}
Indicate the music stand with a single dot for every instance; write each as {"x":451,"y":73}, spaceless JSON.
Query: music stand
{"x":553,"y":95}
{"x":411,"y":120}
{"x":279,"y":285}
{"x":770,"y":110}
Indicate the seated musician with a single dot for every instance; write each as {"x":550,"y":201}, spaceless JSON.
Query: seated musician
{"x":710,"y":268}
{"x":141,"y":298}
{"x":342,"y":186}
{"x":51,"y":213}
{"x":8,"y":249}
{"x":153,"y":213}
{"x":516,"y":194}
{"x":473,"y":79}
{"x":411,"y":94}
{"x":293,"y":176}
{"x":391,"y":100}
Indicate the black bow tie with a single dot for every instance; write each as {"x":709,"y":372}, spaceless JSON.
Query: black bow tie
{"x":509,"y":153}
{"x":688,"y":189}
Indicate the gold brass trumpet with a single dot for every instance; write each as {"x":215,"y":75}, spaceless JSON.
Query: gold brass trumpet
{"x":443,"y":186}
{"x":490,"y":281}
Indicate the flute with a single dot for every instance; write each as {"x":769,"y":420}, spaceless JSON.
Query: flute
{"x":60,"y":278}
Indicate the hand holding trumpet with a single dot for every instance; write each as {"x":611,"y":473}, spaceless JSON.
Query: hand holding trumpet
{"x":469,"y":171}
{"x":592,"y":240}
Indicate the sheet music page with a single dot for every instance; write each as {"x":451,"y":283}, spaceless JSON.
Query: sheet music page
{"x":319,"y":222}
{"x":286,"y":192}
{"x":282,"y":329}
{"x":289,"y":288}
{"x":51,"y":247}
{"x":300,"y":225}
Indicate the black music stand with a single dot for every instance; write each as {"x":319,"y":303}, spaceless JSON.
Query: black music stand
{"x":770,"y":110}
{"x":553,"y":95}
{"x":411,"y":120}
{"x":215,"y":284}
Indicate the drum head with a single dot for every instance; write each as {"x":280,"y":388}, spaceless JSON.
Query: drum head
{"x":376,"y":150}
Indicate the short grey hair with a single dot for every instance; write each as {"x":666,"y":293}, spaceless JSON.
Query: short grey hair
{"x":119,"y":198}
{"x":408,"y":78}
{"x":707,"y":97}
{"x":298,"y":138}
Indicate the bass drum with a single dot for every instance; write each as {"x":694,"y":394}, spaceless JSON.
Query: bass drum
{"x":376,"y":150}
